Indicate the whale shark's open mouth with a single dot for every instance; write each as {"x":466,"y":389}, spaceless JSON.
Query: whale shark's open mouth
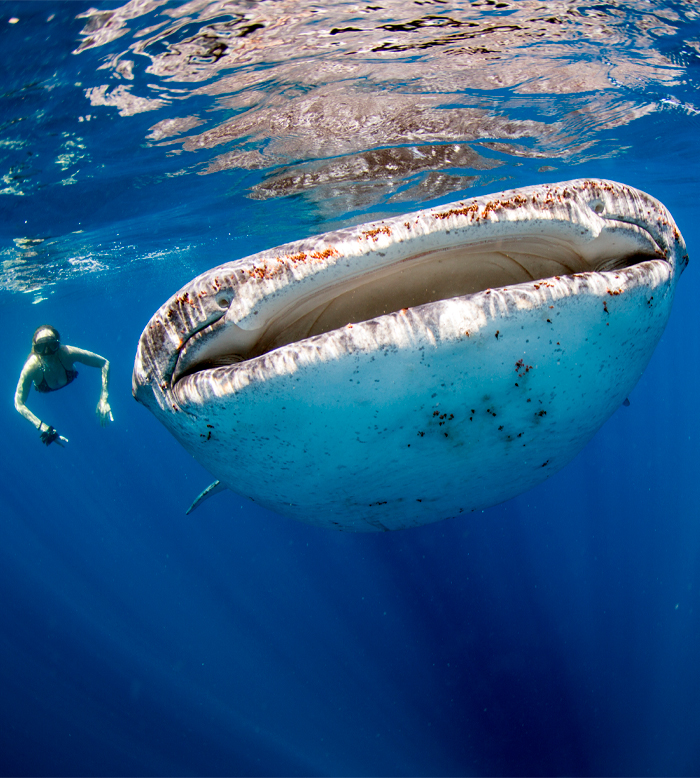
{"x":409,"y":282}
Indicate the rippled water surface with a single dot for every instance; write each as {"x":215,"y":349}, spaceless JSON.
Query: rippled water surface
{"x":145,"y":142}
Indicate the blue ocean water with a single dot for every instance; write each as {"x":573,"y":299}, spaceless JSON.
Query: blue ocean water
{"x":143,"y":143}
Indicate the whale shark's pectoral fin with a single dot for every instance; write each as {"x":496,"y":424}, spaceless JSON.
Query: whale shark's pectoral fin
{"x":214,"y":488}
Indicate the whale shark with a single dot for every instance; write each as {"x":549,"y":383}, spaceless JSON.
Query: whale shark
{"x":420,"y":367}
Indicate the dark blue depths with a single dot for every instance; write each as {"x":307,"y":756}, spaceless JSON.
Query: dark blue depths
{"x":557,"y":633}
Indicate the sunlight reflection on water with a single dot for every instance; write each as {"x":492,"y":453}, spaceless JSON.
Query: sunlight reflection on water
{"x":168,"y":111}
{"x":355,"y":101}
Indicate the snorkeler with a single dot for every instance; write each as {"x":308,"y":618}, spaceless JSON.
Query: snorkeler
{"x":50,"y":367}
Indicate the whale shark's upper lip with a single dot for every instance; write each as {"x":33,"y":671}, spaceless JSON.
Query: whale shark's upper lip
{"x":244,"y":309}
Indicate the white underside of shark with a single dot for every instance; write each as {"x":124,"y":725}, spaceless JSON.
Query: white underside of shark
{"x":421,"y":367}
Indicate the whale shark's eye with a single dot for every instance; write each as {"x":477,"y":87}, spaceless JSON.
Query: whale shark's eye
{"x":223,"y":302}
{"x":598,"y":207}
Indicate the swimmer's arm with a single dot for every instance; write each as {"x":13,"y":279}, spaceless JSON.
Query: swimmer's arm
{"x":92,"y":360}
{"x":22,"y":392}
{"x":104,"y":411}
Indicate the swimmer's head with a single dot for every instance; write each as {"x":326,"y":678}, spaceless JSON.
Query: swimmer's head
{"x":46,"y":340}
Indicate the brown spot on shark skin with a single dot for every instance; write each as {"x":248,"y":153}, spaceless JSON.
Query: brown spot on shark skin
{"x":376,"y":232}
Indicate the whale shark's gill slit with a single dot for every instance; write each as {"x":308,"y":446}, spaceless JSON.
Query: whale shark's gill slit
{"x":620,"y":263}
{"x":526,"y":272}
{"x":314,"y":323}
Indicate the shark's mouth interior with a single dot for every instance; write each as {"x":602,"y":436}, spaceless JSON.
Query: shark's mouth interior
{"x":413,"y":281}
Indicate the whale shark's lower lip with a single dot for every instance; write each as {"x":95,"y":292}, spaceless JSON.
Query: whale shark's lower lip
{"x":543,"y":305}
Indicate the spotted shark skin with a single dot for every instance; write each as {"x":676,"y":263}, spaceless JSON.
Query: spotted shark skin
{"x":432,"y":410}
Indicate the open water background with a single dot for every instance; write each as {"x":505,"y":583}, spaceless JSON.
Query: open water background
{"x":143,"y":143}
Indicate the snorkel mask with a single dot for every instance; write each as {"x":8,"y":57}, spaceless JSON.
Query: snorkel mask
{"x":46,"y":341}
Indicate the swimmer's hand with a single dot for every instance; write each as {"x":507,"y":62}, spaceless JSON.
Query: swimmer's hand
{"x":49,"y":436}
{"x":104,"y":412}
